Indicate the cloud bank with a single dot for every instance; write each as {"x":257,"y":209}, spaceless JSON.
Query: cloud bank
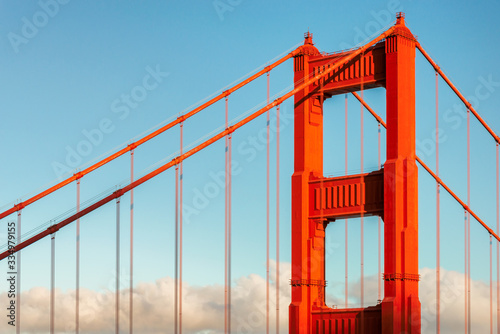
{"x":203,"y":306}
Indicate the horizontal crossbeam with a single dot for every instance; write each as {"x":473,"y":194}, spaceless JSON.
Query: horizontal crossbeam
{"x":347,"y":196}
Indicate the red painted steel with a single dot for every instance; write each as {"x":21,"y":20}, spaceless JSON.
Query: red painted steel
{"x":349,"y":77}
{"x":309,"y":161}
{"x":340,"y":321}
{"x":400,"y":306}
{"x":390,"y":64}
{"x":347,"y":196}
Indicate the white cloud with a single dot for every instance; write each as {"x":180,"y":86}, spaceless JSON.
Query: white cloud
{"x":203,"y":306}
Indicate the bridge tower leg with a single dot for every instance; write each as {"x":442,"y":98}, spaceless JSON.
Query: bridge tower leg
{"x":400,"y":306}
{"x":308,"y":255}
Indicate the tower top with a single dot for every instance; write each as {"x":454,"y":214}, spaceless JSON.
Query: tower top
{"x":400,"y":18}
{"x":308,"y":38}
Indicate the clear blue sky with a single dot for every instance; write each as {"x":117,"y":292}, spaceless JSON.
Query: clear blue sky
{"x":68,"y":75}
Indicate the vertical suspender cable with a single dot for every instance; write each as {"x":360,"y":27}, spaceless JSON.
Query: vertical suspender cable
{"x":362,"y":278}
{"x":468,"y":224}
{"x":226,"y":230}
{"x":491,"y":285}
{"x":498,"y":245}
{"x":18,"y":283}
{"x":131,"y":291}
{"x":465,"y":274}
{"x":181,"y":177}
{"x":267,"y":211}
{"x":176,"y":251}
{"x":77,"y":298}
{"x":117,"y":296}
{"x":277,"y":219}
{"x":346,"y":227}
{"x":438,"y":249}
{"x":229,"y":176}
{"x":379,"y":276}
{"x":52,"y":281}
{"x":229,"y":235}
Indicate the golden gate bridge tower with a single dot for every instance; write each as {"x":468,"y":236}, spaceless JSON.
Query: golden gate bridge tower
{"x":390,"y":193}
